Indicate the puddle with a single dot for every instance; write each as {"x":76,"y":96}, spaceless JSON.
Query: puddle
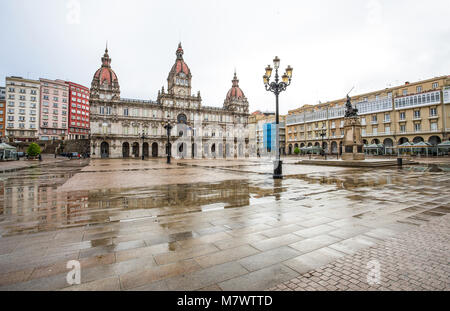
{"x":31,"y":202}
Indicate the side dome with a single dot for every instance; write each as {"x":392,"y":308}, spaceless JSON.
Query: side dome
{"x":105,"y":72}
{"x":235,"y":93}
{"x":105,"y":79}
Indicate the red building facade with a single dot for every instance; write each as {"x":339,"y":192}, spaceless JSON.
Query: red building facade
{"x":79,"y":112}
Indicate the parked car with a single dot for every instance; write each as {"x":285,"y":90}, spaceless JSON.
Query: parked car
{"x":74,"y":155}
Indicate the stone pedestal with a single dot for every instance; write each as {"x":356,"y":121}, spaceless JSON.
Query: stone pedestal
{"x":352,"y":144}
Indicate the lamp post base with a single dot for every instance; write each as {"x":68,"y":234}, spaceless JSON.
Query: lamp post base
{"x":168,"y":159}
{"x":278,"y":170}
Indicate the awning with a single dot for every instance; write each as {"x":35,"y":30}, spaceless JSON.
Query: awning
{"x":422,"y":145}
{"x":4,"y":146}
{"x":406,"y":145}
{"x":374,"y":146}
{"x":445,"y":144}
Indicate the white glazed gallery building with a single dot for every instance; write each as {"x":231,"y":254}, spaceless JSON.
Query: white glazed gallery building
{"x":122,"y":128}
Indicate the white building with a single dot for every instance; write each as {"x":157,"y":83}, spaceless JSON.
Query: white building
{"x":22,"y":109}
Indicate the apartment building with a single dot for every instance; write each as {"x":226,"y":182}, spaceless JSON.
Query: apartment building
{"x":53,"y":109}
{"x":2,"y":93}
{"x":79,"y":112}
{"x":22,"y":108}
{"x":412,"y":112}
{"x":2,"y":118}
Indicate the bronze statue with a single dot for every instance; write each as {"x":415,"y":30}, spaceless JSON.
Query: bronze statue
{"x":350,"y":111}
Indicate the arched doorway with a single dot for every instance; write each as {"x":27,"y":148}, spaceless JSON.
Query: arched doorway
{"x":417,"y":139}
{"x":334,"y":147}
{"x":301,"y":145}
{"x":309,"y":144}
{"x":365,"y":142}
{"x":155,"y":150}
{"x":375,"y":141}
{"x":434,"y":140}
{"x":388,"y":144}
{"x":104,"y":149}
{"x":213,"y":150}
{"x":317,"y":144}
{"x":136,"y":150}
{"x":194,"y":150}
{"x":145,"y":150}
{"x":182,"y":150}
{"x":125,"y":150}
{"x":403,"y":140}
{"x":290,"y":150}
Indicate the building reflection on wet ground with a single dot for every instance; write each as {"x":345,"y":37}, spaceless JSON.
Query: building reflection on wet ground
{"x":196,"y":224}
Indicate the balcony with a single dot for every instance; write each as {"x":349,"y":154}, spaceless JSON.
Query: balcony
{"x":417,"y":100}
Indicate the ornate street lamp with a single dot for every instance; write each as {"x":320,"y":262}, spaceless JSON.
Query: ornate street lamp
{"x":143,"y":137}
{"x":277,"y":87}
{"x":168,"y":127}
{"x":322,"y":134}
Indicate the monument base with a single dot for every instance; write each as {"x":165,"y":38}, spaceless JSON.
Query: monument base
{"x":352,"y":144}
{"x":353,"y":156}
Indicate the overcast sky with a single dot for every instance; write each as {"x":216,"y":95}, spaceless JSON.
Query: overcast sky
{"x":332,"y":45}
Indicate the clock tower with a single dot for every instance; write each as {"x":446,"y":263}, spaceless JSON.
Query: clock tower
{"x":179,"y":80}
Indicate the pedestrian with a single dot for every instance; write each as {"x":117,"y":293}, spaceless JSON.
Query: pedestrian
{"x":40,"y":157}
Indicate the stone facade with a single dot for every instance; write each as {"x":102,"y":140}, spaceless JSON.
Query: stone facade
{"x":118,"y":125}
{"x":413,"y":112}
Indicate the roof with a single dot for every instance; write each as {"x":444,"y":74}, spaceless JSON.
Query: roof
{"x":235,"y":92}
{"x":105,"y":73}
{"x":6,"y":146}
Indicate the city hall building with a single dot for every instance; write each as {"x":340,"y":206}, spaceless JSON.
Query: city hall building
{"x":122,"y":128}
{"x":414,"y":112}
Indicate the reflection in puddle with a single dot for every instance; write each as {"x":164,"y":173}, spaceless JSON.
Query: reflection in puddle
{"x":31,"y":202}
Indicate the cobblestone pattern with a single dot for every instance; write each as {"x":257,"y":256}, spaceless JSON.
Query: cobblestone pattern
{"x":413,"y":260}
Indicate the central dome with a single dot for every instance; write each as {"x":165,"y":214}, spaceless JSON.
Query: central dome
{"x":180,"y":65}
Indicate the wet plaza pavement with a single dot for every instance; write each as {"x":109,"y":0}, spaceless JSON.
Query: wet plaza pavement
{"x":200,"y":224}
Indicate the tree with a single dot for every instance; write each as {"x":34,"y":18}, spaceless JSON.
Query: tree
{"x":33,"y":150}
{"x":296,"y":150}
